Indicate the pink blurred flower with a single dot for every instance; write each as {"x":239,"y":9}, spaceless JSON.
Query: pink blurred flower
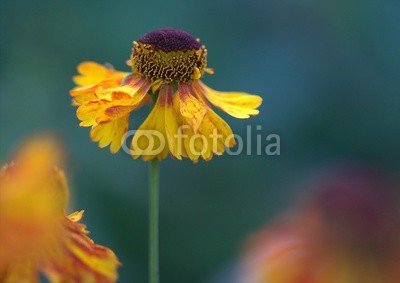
{"x":346,"y":231}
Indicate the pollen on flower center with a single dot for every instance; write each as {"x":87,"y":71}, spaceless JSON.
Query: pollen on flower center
{"x":169,"y":40}
{"x":169,"y":55}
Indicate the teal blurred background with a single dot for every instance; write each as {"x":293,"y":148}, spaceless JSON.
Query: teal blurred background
{"x":328,"y":72}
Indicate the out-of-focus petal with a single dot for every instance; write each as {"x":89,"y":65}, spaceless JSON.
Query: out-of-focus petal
{"x":21,"y":271}
{"x":346,"y":232}
{"x":41,"y":151}
{"x":35,"y":235}
{"x":80,"y":259}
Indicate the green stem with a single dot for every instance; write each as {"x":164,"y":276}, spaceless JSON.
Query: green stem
{"x":153,"y":232}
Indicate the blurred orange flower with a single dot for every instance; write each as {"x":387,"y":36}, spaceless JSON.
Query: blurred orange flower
{"x":346,"y":232}
{"x":36,"y":236}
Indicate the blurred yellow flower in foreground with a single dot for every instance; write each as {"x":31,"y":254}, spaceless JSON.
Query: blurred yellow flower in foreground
{"x":36,"y":237}
{"x":347,"y":232}
{"x":167,"y":66}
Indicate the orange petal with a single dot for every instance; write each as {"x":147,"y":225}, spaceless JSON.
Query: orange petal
{"x":41,"y":151}
{"x":36,"y":236}
{"x":23,"y":271}
{"x":78,"y":258}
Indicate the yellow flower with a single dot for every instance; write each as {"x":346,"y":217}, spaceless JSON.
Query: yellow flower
{"x":167,"y":66}
{"x":347,"y":232}
{"x":36,"y":236}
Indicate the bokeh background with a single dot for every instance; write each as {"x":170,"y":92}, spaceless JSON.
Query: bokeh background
{"x":328,"y":72}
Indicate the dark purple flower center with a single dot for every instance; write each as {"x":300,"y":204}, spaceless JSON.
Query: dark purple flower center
{"x":168,"y":40}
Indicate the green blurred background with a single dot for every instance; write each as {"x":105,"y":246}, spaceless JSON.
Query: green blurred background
{"x":328,"y":72}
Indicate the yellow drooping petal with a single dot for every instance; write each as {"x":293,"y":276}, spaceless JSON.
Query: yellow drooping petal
{"x":92,"y":73}
{"x":89,"y":111}
{"x":173,"y":132}
{"x":213,"y":124}
{"x":237,"y":104}
{"x":210,"y":136}
{"x":192,"y":109}
{"x":111,"y":133}
{"x":150,"y":140}
{"x":109,"y":115}
{"x":88,"y":93}
{"x":132,"y":86}
{"x":214,"y":135}
{"x":120,"y":101}
{"x":112,"y":103}
{"x":92,"y":77}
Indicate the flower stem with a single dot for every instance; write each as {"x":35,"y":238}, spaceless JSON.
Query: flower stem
{"x":154,"y":272}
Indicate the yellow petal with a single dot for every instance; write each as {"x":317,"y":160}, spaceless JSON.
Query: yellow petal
{"x":123,"y":100}
{"x":76,"y":216}
{"x":82,"y":95}
{"x":171,"y":123}
{"x":212,"y":136}
{"x":93,"y":73}
{"x":111,"y":133}
{"x":209,"y":71}
{"x":190,"y":107}
{"x":112,"y":104}
{"x":93,"y":76}
{"x":237,"y":104}
{"x":89,"y":111}
{"x":150,"y":141}
{"x":134,"y":85}
{"x":92,"y":68}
